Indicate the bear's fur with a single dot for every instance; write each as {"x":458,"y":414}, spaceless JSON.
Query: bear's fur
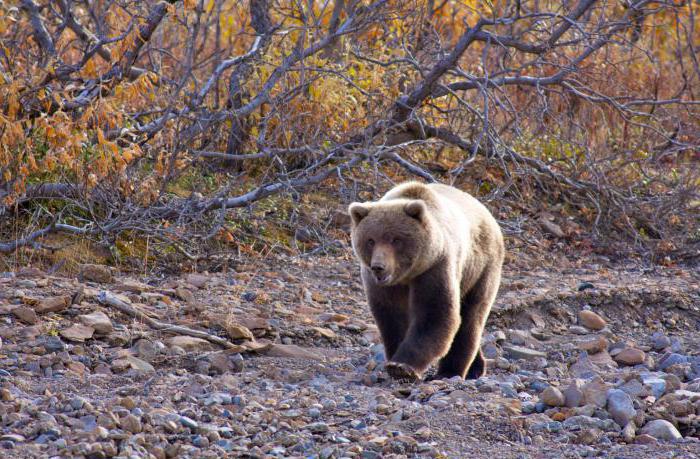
{"x":431,"y":258}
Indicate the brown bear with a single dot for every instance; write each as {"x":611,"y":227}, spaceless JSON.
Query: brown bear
{"x":430,"y":258}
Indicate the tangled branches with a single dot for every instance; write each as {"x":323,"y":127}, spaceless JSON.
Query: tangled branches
{"x":117,"y":110}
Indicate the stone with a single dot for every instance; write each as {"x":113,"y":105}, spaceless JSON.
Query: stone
{"x":25,"y":314}
{"x":656,"y":385}
{"x":634,"y":388}
{"x":95,"y":273}
{"x":645,"y":439}
{"x":671,"y":359}
{"x":629,"y":432}
{"x":139,"y":365}
{"x":630,"y":356}
{"x":589,"y":422}
{"x":552,"y":396}
{"x":99,"y":321}
{"x":146,"y":349}
{"x":131,"y":424}
{"x":294,"y":352}
{"x":659,"y":341}
{"x":661,"y":429}
{"x":573,"y":395}
{"x":594,"y":345}
{"x":591,"y":320}
{"x":77,"y":332}
{"x":238,"y":331}
{"x":197,"y":280}
{"x":520,"y":352}
{"x":595,"y":392}
{"x":189,"y":343}
{"x":587,"y":437}
{"x":53,"y":304}
{"x":620,"y":407}
{"x":578,"y":330}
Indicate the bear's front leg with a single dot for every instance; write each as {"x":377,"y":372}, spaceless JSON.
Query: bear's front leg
{"x":434,"y":312}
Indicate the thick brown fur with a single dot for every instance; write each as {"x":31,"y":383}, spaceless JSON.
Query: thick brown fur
{"x":431,"y":258}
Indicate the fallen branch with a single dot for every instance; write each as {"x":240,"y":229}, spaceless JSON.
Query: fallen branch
{"x":107,"y":299}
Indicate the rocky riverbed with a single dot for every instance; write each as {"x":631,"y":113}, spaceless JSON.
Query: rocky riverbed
{"x":586,"y":359}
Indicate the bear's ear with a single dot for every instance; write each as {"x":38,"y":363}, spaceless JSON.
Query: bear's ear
{"x":415,"y":209}
{"x":358,"y":211}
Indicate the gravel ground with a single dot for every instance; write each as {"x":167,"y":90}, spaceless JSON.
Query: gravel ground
{"x":586,"y":359}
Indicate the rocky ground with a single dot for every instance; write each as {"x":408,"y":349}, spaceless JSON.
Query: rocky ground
{"x":586,"y":359}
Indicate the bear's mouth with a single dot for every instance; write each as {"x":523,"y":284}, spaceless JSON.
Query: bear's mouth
{"x":383,"y":278}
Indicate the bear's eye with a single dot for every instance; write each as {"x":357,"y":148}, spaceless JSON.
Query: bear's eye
{"x":396,"y":241}
{"x":370,"y":243}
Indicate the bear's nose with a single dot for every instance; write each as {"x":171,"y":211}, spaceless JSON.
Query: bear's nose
{"x":377,"y":269}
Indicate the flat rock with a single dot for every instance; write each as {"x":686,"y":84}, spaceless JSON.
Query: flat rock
{"x":594,"y":345}
{"x":99,"y":321}
{"x":520,"y":352}
{"x":96,"y":273}
{"x":591,"y":320}
{"x":53,"y":304}
{"x":25,"y":314}
{"x":630,"y":356}
{"x":293,"y":351}
{"x":189,"y":343}
{"x":77,"y":332}
{"x":661,"y":429}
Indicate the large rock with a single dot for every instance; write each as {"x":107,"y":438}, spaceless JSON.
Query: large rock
{"x":99,"y":321}
{"x":620,"y":407}
{"x":591,"y":320}
{"x":661,"y":429}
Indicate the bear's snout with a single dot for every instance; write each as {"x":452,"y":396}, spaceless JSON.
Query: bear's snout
{"x":381,"y":264}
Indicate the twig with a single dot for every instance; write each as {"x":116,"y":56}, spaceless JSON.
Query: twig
{"x":108,"y":299}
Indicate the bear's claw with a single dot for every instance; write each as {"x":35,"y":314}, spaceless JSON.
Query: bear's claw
{"x":401,"y":372}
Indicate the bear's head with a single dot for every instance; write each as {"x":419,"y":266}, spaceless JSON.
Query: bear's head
{"x":393,"y":239}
